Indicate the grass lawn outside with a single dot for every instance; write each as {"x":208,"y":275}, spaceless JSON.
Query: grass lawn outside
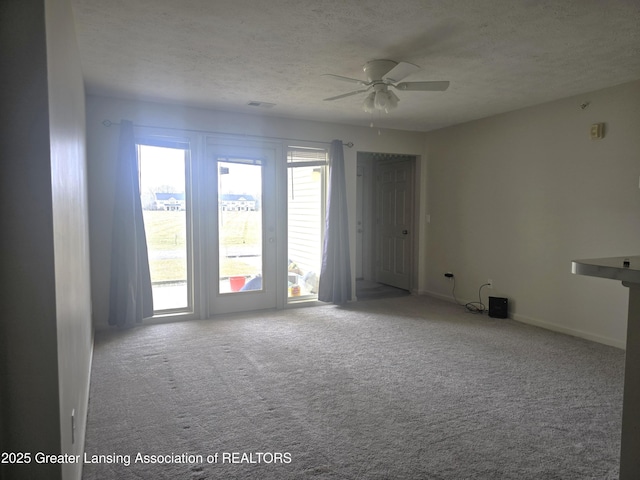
{"x":240,"y":241}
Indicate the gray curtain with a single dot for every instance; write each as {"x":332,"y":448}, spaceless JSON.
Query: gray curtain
{"x":130,"y":297}
{"x":335,"y":275}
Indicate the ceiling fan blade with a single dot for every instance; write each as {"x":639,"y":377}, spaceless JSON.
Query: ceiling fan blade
{"x":345,"y":95}
{"x":345,"y":79}
{"x":400,"y":71}
{"x":423,"y":86}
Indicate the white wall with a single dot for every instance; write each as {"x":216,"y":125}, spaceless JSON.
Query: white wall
{"x":69,"y":204}
{"x":517,"y":196}
{"x":102,"y":150}
{"x":45,"y":327}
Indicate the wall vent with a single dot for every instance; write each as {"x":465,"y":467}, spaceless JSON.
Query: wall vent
{"x":254,"y":103}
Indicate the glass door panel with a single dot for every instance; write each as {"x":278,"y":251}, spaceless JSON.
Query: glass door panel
{"x":240,"y":229}
{"x":164,"y":211}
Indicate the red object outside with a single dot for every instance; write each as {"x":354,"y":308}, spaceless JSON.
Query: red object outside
{"x":236,"y":283}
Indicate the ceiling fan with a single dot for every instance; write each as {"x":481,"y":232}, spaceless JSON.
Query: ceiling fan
{"x":382,"y":74}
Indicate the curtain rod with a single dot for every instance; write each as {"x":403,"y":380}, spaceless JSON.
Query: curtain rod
{"x":108,"y":123}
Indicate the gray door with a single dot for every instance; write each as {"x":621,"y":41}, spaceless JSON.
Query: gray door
{"x":394,"y":245}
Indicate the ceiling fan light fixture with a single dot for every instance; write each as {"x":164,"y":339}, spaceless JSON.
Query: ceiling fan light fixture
{"x":381,"y":101}
{"x":382,"y":75}
{"x":369,"y":103}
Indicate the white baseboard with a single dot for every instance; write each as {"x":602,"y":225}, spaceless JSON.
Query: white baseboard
{"x":447,"y":298}
{"x":541,"y":323}
{"x":569,"y":331}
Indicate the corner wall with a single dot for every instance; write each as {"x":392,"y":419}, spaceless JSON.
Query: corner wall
{"x":516,"y":197}
{"x":45,"y":328}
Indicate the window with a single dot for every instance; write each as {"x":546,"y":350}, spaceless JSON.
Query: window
{"x":306,"y":196}
{"x":163,"y":192}
{"x":214,"y":227}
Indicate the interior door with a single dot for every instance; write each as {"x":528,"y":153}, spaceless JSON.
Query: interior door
{"x":242,"y":233}
{"x":394,"y":243}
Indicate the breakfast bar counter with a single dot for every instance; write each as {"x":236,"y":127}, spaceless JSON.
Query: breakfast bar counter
{"x":626,"y":270}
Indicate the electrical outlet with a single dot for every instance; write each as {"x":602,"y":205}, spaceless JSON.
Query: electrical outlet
{"x":490,"y":283}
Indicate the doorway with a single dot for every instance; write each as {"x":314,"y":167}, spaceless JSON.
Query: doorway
{"x":385,"y":238}
{"x":242,"y":231}
{"x":232,"y":225}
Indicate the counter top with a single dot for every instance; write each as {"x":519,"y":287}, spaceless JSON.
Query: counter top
{"x":615,"y":269}
{"x":611,"y":267}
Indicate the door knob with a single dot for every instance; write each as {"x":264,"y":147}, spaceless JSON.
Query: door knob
{"x":405,"y":232}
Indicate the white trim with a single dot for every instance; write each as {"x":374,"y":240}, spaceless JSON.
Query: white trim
{"x":446,"y":298}
{"x":569,"y":331}
{"x":85,"y":396}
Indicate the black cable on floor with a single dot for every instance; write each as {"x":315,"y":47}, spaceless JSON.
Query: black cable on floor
{"x":473,"y":307}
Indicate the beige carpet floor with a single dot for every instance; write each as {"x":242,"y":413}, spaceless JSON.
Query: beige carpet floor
{"x":396,"y":388}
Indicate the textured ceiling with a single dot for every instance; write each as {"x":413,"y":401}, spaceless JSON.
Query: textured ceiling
{"x":499,"y":55}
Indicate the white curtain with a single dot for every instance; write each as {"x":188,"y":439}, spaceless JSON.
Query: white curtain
{"x":130,"y":297}
{"x":335,"y":275}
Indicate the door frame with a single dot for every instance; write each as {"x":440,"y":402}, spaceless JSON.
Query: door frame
{"x":274,"y":277}
{"x":200,"y":216}
{"x":365,"y":240}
